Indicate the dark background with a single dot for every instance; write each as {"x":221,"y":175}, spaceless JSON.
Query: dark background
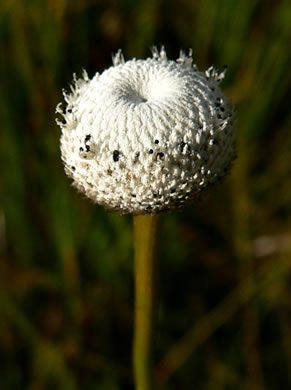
{"x":66,"y":272}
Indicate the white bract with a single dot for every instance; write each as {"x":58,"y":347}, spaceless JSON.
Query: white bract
{"x":146,"y":135}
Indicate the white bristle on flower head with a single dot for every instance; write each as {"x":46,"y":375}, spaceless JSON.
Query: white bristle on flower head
{"x":146,"y":135}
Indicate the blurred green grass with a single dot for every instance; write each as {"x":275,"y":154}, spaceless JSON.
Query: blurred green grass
{"x":66,"y":266}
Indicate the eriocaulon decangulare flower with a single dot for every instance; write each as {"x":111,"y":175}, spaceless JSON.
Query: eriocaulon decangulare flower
{"x":147,"y":135}
{"x":142,"y":137}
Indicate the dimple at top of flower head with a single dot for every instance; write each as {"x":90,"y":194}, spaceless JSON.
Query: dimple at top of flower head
{"x":146,"y":135}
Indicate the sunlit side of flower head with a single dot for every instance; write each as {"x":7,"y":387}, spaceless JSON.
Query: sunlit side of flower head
{"x":146,"y":135}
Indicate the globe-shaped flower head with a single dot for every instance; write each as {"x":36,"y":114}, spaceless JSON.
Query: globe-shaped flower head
{"x":147,"y":135}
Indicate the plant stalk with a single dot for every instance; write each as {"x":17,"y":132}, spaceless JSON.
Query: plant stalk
{"x":145,"y":275}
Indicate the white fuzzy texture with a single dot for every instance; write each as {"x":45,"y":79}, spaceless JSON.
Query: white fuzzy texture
{"x":146,"y":135}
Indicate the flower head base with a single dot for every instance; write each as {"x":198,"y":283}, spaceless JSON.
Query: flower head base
{"x":147,"y":135}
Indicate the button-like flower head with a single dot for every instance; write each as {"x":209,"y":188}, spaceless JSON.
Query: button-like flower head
{"x":147,"y":135}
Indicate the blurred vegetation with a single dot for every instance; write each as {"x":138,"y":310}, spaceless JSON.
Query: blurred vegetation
{"x":66,"y":288}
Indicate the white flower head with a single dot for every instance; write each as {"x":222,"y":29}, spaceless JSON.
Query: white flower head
{"x":146,"y":135}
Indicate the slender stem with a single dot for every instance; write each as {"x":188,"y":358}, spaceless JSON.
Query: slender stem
{"x":144,"y":240}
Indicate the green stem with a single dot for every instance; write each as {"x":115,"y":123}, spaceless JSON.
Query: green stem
{"x":144,"y":240}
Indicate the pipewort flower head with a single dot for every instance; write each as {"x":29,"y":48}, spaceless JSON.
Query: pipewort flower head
{"x":146,"y":135}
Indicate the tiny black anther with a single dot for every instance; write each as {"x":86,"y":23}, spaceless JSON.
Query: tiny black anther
{"x":212,"y":89}
{"x":133,"y":195}
{"x":160,"y":155}
{"x":87,"y":138}
{"x":151,"y":151}
{"x":156,"y":141}
{"x":182,"y":146}
{"x":73,"y":168}
{"x":222,"y":109}
{"x":81,"y":149}
{"x":116,"y":154}
{"x":173,"y":190}
{"x":155,"y":195}
{"x":87,"y":148}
